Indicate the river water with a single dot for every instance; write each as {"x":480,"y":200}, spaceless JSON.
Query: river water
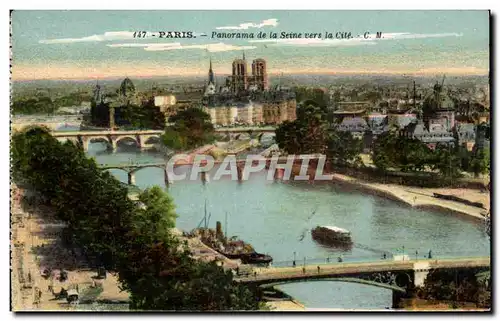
{"x":276,"y":218}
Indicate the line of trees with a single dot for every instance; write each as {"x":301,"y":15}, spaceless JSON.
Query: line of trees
{"x":131,"y":239}
{"x":407,"y":154}
{"x":458,"y":286}
{"x":42,"y":104}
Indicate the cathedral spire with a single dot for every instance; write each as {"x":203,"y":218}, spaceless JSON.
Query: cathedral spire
{"x":211,"y":77}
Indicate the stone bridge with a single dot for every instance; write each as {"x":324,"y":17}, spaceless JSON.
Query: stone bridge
{"x":399,"y":276}
{"x":131,"y":169}
{"x":143,"y":139}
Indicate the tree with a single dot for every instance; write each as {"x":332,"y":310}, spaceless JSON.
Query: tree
{"x":407,"y":154}
{"x":39,"y":105}
{"x":459,"y":286}
{"x":305,"y":135}
{"x":480,"y":161}
{"x":384,"y":149}
{"x":157,"y":215}
{"x":192,"y":128}
{"x":446,"y":161}
{"x":343,"y":148}
{"x":136,"y":241}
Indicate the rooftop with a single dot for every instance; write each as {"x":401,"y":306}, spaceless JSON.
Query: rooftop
{"x":336,"y":229}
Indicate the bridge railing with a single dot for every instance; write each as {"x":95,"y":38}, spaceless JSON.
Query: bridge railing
{"x":346,"y":258}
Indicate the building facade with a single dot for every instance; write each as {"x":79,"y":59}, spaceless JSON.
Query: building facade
{"x":246,"y":99}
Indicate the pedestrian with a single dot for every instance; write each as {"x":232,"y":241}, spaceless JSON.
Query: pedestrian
{"x":304,"y":270}
{"x":237,"y":270}
{"x":328,"y":260}
{"x":318,"y":268}
{"x":255,"y":273}
{"x":430,"y":254}
{"x":293,"y":263}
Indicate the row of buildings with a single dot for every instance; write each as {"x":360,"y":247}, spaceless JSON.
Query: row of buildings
{"x":245,"y":98}
{"x":434,"y":124}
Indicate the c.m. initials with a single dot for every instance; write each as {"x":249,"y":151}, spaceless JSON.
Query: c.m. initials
{"x":378,"y":35}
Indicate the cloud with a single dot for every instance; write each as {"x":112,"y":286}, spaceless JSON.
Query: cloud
{"x":110,"y":35}
{"x":247,"y":25}
{"x":370,"y":40}
{"x":212,"y":47}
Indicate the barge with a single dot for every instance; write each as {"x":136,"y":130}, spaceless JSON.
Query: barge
{"x":332,"y":235}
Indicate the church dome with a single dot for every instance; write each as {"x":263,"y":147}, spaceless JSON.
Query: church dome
{"x":438,"y":100}
{"x":127,"y":88}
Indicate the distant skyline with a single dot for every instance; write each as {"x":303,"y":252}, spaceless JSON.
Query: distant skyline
{"x":100,"y":44}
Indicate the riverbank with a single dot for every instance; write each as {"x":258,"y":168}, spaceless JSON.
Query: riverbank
{"x":416,"y":197}
{"x":285,"y":305}
{"x":422,"y":198}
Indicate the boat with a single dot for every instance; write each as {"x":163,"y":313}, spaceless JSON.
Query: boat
{"x":256,"y":258}
{"x":332,"y":235}
{"x":232,"y":248}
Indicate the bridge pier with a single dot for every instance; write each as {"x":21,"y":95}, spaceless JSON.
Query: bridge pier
{"x":112,"y":145}
{"x":131,"y":178}
{"x":204,"y":177}
{"x":239,"y":170}
{"x":166,"y":178}
{"x":420,"y":272}
{"x":85,"y":143}
{"x":279,"y":173}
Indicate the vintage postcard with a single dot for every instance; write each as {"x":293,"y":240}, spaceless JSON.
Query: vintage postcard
{"x":250,"y":160}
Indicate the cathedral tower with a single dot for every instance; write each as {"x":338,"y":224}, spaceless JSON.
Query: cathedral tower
{"x":259,"y":73}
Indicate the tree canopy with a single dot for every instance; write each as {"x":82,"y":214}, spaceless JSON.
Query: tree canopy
{"x":133,"y":239}
{"x":311,"y":133}
{"x":191,"y":128}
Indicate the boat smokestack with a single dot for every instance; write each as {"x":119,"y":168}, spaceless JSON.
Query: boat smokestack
{"x":218,"y":230}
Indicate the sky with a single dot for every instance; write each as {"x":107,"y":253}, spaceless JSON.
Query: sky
{"x":100,"y":44}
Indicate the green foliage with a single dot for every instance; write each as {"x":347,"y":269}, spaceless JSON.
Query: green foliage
{"x":307,"y":134}
{"x":447,"y":161}
{"x":384,"y":151}
{"x":343,"y":148}
{"x":156,"y":216}
{"x":72,"y":99}
{"x":131,"y":238}
{"x":407,"y":154}
{"x":316,"y":96}
{"x":40,"y":105}
{"x":310,"y":133}
{"x":458,"y":286}
{"x":192,"y":128}
{"x":146,"y":116}
{"x":480,"y":161}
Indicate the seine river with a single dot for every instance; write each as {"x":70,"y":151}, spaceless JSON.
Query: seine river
{"x":274,"y":217}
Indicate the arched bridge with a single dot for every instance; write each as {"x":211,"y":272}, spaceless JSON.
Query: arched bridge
{"x":396,"y":275}
{"x":142,"y":138}
{"x":148,"y":138}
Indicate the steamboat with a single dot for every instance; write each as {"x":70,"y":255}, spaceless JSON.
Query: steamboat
{"x":332,"y":235}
